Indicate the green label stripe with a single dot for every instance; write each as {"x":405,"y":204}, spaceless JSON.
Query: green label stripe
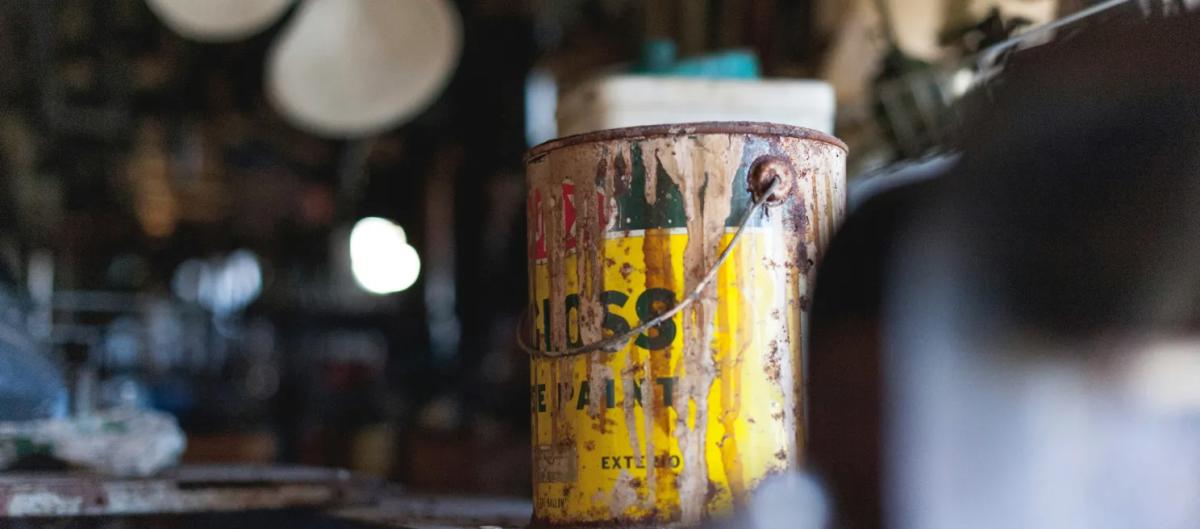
{"x":667,"y":211}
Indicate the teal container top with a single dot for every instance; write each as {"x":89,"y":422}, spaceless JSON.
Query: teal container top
{"x":659,"y":58}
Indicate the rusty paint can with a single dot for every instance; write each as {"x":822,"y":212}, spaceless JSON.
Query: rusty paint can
{"x":680,"y":423}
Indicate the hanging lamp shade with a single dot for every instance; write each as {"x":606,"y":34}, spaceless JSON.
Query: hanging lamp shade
{"x":218,"y":20}
{"x":354,"y":68}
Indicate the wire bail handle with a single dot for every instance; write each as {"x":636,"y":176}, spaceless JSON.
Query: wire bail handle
{"x":768,"y":181}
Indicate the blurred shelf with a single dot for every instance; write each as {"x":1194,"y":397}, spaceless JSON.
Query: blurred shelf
{"x":188,"y":489}
{"x":234,"y":496}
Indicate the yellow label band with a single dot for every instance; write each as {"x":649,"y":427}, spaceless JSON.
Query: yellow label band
{"x":600,"y":423}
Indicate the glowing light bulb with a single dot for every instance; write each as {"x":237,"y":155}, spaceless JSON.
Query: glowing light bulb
{"x":380,"y":258}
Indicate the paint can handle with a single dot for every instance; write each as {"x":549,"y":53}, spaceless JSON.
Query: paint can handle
{"x":768,"y":181}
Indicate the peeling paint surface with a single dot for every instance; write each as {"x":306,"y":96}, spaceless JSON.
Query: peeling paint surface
{"x":681,"y":424}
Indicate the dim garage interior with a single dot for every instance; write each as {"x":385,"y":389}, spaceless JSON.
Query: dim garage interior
{"x":559,"y":264}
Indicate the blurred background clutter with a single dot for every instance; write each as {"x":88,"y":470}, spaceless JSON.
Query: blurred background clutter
{"x":294,"y":231}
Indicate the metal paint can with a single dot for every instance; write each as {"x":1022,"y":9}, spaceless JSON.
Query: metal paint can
{"x":682,"y":422}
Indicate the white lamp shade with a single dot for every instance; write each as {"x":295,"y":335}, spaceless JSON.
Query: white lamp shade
{"x":218,"y":20}
{"x":354,"y":68}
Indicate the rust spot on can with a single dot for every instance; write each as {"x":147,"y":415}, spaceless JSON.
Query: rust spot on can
{"x":626,"y":269}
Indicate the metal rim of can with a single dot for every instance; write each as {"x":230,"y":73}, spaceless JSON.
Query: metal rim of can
{"x":756,"y":128}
